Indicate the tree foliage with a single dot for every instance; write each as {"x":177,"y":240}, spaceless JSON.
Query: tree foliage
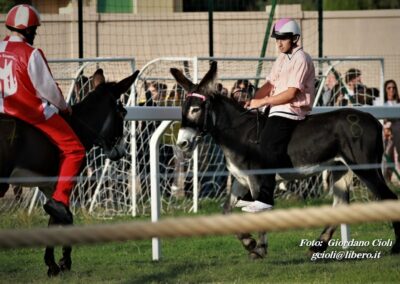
{"x":6,"y":5}
{"x":259,"y":5}
{"x":345,"y":4}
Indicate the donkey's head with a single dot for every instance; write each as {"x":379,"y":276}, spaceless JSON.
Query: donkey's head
{"x":100,"y":115}
{"x":196,"y":118}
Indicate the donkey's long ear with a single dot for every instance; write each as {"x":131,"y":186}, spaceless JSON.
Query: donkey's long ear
{"x":124,"y":85}
{"x":186,"y":84}
{"x":207,"y":82}
{"x":98,"y":78}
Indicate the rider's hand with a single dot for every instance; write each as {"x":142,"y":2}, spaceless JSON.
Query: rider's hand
{"x":68,"y":110}
{"x":255,"y":103}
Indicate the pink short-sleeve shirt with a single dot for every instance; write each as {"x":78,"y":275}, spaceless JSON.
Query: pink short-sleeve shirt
{"x":293,"y":70}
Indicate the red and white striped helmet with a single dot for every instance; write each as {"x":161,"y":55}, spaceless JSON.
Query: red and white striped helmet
{"x":22,"y":16}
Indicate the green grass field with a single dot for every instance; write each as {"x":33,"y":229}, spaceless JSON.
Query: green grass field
{"x":217,"y":259}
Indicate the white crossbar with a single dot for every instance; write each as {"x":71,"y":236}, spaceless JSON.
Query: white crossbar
{"x":175,"y":113}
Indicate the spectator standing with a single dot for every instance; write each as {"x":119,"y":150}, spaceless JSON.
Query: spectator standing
{"x":338,"y":95}
{"x":391,"y":98}
{"x":177,"y":181}
{"x":242,"y":91}
{"x":222,"y":90}
{"x":328,"y":95}
{"x":390,"y":152}
{"x":352,"y":78}
{"x":391,"y":93}
{"x":155,"y":95}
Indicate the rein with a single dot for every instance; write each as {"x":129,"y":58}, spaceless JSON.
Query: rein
{"x":207,"y":107}
{"x":206,"y":113}
{"x":257,"y":141}
{"x":97,"y":136}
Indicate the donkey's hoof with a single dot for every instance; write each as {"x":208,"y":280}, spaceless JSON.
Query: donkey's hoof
{"x":53,"y":271}
{"x":395,"y":248}
{"x":249,"y":244}
{"x":258,"y":253}
{"x":65,"y":264}
{"x":255,"y":255}
{"x":320,"y":248}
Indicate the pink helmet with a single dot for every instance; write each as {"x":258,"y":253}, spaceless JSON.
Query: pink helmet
{"x":22,"y":16}
{"x":285,"y":27}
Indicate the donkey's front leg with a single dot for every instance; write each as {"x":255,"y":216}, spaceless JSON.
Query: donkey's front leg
{"x":237,"y":193}
{"x":229,"y":203}
{"x":65,"y":262}
{"x":246,"y":239}
{"x":321,"y":244}
{"x":54,"y":269}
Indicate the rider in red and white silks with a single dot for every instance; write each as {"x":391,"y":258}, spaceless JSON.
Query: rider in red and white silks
{"x":29,"y":92}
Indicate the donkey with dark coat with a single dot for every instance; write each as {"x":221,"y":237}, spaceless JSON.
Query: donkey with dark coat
{"x":347,"y":138}
{"x":28,"y":158}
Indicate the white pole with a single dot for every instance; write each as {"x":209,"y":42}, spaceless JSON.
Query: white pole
{"x":132,"y":102}
{"x":133,"y":169}
{"x":155,"y":184}
{"x":381,"y":87}
{"x":196,"y":180}
{"x":196,"y":151}
{"x":34,"y":197}
{"x":345,"y":234}
{"x":99,"y":184}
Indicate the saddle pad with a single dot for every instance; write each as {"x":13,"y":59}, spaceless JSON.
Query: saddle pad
{"x":25,"y":177}
{"x":8,"y":127}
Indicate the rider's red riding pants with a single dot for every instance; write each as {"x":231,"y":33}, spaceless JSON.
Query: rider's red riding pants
{"x":72,"y":154}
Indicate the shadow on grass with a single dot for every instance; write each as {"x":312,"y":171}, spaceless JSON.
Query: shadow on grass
{"x":173,"y":273}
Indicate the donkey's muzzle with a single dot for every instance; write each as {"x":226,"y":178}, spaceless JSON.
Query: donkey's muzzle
{"x":117,"y":152}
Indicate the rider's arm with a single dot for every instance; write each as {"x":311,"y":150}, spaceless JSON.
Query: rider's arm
{"x":279,"y":99}
{"x":264,"y":91}
{"x":43,"y":81}
{"x":295,"y":92}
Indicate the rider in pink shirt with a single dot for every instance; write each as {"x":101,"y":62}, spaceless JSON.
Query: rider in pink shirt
{"x":289,"y":92}
{"x":29,"y":92}
{"x":295,"y":70}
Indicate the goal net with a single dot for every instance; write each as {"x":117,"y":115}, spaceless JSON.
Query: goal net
{"x":150,"y":29}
